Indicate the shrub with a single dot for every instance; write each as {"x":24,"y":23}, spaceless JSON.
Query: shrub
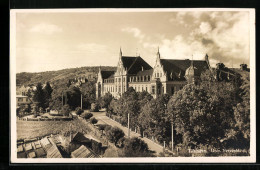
{"x":94,"y":107}
{"x":120,"y":142}
{"x":135,"y":147}
{"x":107,"y":129}
{"x":87,"y":115}
{"x":114,"y":134}
{"x":93,"y":120}
{"x":79,"y":111}
{"x":65,"y":110}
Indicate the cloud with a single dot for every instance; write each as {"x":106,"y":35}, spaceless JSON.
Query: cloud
{"x":135,"y":31}
{"x":205,"y":27}
{"x":223,"y":35}
{"x":46,"y":28}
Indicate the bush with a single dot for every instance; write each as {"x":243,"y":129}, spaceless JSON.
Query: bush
{"x":135,"y":147}
{"x":65,"y":110}
{"x":79,"y":111}
{"x":107,"y":129}
{"x":87,"y":115}
{"x":120,"y":142}
{"x":93,"y":120}
{"x":94,"y":107}
{"x":114,"y":134}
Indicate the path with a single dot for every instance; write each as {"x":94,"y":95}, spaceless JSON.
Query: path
{"x":152,"y":145}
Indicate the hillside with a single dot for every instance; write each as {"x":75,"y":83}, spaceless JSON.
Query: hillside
{"x":26,"y":78}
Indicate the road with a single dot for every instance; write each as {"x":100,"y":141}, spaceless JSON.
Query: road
{"x":101,"y":116}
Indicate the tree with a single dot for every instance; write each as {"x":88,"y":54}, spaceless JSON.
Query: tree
{"x":135,"y":147}
{"x":89,"y":93}
{"x":94,"y":107}
{"x":106,"y":99}
{"x":154,"y":120}
{"x":39,"y":96}
{"x":48,"y":91}
{"x":114,"y":134}
{"x":65,"y":110}
{"x":198,"y":110}
{"x":242,"y":113}
{"x":74,"y":97}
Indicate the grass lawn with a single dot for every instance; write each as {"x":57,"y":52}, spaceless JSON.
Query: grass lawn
{"x":32,"y":129}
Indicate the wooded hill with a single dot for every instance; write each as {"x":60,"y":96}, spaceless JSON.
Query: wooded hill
{"x":26,"y":78}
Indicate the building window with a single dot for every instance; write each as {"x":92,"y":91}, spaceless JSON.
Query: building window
{"x":157,"y":74}
{"x":138,"y":88}
{"x":119,"y":89}
{"x":160,"y":74}
{"x":146,"y":88}
{"x":20,"y":99}
{"x":142,"y":88}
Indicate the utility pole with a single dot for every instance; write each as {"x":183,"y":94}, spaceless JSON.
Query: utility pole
{"x":128,"y":125}
{"x":81,"y":101}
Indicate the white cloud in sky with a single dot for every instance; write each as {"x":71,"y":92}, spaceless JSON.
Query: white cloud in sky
{"x":46,"y":28}
{"x":135,"y":31}
{"x":223,"y":36}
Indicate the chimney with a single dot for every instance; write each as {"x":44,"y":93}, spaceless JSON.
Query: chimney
{"x":243,"y":67}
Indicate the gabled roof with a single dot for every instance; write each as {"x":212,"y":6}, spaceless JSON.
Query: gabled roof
{"x":135,"y":64}
{"x":145,"y":73}
{"x":82,"y":152}
{"x":53,"y":152}
{"x":176,"y":68}
{"x":106,"y":74}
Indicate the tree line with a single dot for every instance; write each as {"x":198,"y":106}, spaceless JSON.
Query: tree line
{"x":209,"y":113}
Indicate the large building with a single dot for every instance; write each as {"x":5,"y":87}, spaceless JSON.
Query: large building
{"x":167,"y":76}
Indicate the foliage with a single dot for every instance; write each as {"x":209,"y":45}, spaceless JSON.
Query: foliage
{"x":48,"y":91}
{"x":89,"y":94}
{"x":154,"y":119}
{"x":94,"y":107}
{"x":135,"y":147}
{"x":39,"y":96}
{"x":65,"y":110}
{"x":79,"y":111}
{"x":87,"y":115}
{"x":130,"y":103}
{"x":105,"y":100}
{"x":198,"y":110}
{"x":93,"y":120}
{"x":73,"y":97}
{"x":114,"y":134}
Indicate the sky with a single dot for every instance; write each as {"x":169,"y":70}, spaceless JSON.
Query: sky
{"x":53,"y":41}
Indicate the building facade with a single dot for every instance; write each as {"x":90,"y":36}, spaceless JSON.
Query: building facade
{"x":166,"y":77}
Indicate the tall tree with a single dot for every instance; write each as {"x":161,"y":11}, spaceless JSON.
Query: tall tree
{"x":39,"y":96}
{"x":48,"y":91}
{"x":89,"y":94}
{"x":203,"y":113}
